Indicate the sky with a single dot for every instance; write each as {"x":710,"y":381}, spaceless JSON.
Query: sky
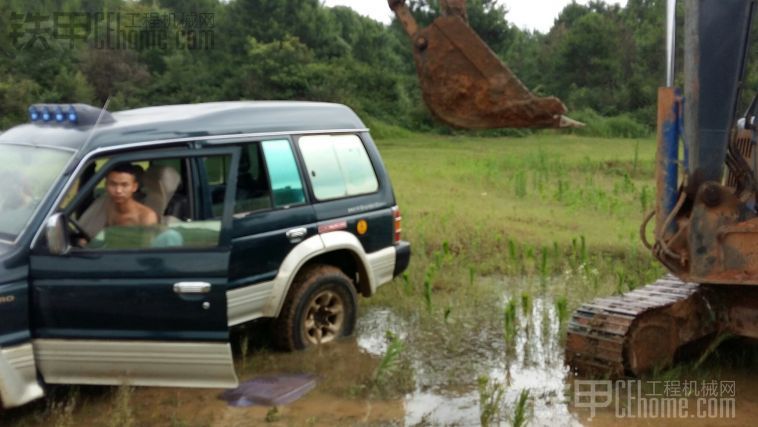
{"x":526,"y":14}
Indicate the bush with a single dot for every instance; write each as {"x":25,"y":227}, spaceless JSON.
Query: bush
{"x":621,"y":126}
{"x":382,"y":130}
{"x":16,"y":95}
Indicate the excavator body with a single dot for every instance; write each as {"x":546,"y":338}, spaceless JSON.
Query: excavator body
{"x":706,"y":217}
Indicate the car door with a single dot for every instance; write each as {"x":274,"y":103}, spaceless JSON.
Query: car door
{"x":144,"y":315}
{"x":272,"y":217}
{"x":18,"y":372}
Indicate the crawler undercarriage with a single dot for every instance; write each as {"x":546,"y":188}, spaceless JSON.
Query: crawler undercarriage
{"x":648,"y":328}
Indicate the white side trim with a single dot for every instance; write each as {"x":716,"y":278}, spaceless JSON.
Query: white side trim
{"x":243,"y":303}
{"x":18,"y":376}
{"x":298,"y":256}
{"x":305,"y":251}
{"x":383,"y":265}
{"x":344,"y":240}
{"x":246,"y":304}
{"x":180,"y":364}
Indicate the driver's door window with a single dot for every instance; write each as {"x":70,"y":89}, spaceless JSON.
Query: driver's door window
{"x":140,"y":204}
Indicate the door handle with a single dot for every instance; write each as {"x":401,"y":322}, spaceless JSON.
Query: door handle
{"x":192,"y":287}
{"x":296,"y":234}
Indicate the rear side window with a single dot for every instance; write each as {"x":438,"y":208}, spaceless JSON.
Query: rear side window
{"x":268,"y":177}
{"x":286,"y":186}
{"x":338,"y":166}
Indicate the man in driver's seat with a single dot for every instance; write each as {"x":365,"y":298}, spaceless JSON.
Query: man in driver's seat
{"x":121,"y":184}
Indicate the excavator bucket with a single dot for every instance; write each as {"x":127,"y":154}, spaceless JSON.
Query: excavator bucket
{"x":465,"y":84}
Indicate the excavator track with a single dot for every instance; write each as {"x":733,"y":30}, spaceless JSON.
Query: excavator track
{"x":614,"y":336}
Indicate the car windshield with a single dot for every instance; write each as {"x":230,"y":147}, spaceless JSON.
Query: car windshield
{"x":26,"y":175}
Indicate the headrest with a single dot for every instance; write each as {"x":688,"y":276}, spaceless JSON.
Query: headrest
{"x":159,"y":184}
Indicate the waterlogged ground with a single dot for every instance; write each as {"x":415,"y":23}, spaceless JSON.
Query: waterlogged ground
{"x":692,"y":411}
{"x":534,"y":363}
{"x":433,"y":380}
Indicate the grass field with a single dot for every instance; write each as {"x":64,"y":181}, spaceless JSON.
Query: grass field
{"x":536,"y":206}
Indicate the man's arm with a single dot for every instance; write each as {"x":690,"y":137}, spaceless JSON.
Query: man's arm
{"x":149,"y":217}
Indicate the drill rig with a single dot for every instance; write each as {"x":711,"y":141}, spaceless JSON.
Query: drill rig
{"x":706,"y":221}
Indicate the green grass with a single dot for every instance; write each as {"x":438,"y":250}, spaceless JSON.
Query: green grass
{"x":546,"y":205}
{"x":390,"y":359}
{"x":509,"y":323}
{"x":536,"y":190}
{"x":520,"y":415}
{"x":490,"y":400}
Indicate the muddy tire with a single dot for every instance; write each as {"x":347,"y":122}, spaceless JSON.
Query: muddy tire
{"x":320,"y":308}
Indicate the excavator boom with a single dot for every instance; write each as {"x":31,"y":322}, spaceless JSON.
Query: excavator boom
{"x":464,"y":83}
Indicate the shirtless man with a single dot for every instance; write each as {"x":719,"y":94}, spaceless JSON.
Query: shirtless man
{"x":121,"y":184}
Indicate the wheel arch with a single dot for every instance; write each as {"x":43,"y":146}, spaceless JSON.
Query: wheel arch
{"x":340,"y":249}
{"x":347,"y":261}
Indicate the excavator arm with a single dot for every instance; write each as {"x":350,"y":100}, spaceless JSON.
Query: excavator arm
{"x":464,"y":83}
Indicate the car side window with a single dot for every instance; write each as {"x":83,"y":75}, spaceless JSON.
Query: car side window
{"x":286,"y":186}
{"x":253,"y":190}
{"x":268,"y":178}
{"x":144,"y":204}
{"x":83,"y":177}
{"x":338,"y":166}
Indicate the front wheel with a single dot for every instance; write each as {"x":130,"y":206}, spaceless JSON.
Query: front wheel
{"x":321,"y":308}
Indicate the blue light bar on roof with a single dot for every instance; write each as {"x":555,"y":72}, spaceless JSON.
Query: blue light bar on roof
{"x":71,"y":114}
{"x":59,"y":116}
{"x":33,"y":114}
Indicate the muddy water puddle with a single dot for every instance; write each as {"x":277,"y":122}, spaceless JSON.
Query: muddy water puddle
{"x":446,"y":378}
{"x":433,"y":380}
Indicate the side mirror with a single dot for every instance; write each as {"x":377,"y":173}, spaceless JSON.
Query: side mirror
{"x":750,"y":114}
{"x":57,"y":238}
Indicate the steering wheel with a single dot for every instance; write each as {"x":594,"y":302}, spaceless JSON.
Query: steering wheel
{"x":79,"y":229}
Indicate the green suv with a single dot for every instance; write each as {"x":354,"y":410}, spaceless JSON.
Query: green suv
{"x":232,"y":211}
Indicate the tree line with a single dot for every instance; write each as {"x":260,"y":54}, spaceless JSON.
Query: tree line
{"x":604,"y":61}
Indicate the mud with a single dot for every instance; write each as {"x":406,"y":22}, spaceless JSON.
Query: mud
{"x":434,"y":382}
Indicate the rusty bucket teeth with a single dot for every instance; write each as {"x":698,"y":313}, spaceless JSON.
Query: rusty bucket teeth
{"x":567,"y":122}
{"x":466,"y":85}
{"x":638,"y":331}
{"x":463,"y":81}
